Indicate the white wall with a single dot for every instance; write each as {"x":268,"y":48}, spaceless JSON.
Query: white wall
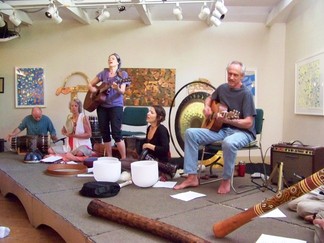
{"x":304,"y":39}
{"x":194,"y":49}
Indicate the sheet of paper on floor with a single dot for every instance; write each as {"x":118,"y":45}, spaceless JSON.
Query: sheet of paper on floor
{"x":165,"y":184}
{"x":51,"y":159}
{"x":276,"y":213}
{"x":187,"y":196}
{"x":278,"y":239}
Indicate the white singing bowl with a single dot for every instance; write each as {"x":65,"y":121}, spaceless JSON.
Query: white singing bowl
{"x":145,"y":173}
{"x":107,"y":170}
{"x":107,"y":158}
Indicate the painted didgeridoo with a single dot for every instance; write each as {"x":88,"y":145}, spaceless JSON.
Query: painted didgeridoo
{"x":104,"y":210}
{"x":223,"y":228}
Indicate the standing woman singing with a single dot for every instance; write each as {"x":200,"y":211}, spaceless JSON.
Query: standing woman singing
{"x":110,"y":113}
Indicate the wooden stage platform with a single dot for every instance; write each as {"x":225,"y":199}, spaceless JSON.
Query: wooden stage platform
{"x":55,"y":201}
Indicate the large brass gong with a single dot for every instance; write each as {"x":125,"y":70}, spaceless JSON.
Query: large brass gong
{"x":189,"y":114}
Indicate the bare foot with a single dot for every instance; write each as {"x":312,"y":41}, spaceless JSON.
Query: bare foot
{"x":319,"y":222}
{"x":309,"y":218}
{"x":191,"y":181}
{"x":225,"y":187}
{"x":71,"y":157}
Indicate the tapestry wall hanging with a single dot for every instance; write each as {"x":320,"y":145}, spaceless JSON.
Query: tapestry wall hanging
{"x":150,"y":86}
{"x":29,"y":87}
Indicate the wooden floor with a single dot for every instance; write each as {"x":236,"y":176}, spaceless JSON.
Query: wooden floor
{"x":13,"y":216}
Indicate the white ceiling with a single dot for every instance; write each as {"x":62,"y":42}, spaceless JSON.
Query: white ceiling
{"x":148,"y":11}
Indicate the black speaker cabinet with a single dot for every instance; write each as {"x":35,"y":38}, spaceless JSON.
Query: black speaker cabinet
{"x":298,"y":161}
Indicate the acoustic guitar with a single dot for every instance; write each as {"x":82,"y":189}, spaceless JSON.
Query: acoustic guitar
{"x":93,"y":100}
{"x":212,"y":123}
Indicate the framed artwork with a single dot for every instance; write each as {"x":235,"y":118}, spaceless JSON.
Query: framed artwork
{"x":309,"y":85}
{"x":249,"y":81}
{"x":29,"y":87}
{"x":1,"y":85}
{"x":150,"y":86}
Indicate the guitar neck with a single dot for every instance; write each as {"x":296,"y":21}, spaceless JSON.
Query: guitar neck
{"x":106,"y":86}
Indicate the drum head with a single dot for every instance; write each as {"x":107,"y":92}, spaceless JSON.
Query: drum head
{"x":69,"y":124}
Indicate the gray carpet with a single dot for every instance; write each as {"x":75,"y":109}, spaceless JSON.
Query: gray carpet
{"x":58,"y":204}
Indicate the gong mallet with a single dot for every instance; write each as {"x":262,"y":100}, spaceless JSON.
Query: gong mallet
{"x":223,"y":228}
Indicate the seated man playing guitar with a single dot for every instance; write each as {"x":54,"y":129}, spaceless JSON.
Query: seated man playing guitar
{"x":233,"y":125}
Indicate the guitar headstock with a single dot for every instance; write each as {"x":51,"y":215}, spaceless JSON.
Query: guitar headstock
{"x":234,"y":114}
{"x":124,"y":80}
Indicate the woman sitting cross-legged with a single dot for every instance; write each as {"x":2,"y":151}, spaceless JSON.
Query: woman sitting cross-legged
{"x":157,"y":142}
{"x":77,"y":129}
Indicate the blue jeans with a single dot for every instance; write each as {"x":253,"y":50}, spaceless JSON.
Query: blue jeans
{"x":232,"y":139}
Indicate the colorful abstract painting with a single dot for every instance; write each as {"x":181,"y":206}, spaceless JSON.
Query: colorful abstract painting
{"x":309,"y":83}
{"x":150,"y":86}
{"x":29,"y":87}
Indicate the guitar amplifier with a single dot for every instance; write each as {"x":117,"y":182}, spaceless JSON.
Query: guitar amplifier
{"x":299,"y":161}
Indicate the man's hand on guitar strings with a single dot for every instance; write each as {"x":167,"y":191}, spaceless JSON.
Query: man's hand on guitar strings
{"x":207,"y":111}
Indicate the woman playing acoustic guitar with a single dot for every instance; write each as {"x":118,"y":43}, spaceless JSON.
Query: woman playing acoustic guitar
{"x":110,"y":110}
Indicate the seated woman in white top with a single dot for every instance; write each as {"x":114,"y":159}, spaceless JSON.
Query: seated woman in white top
{"x":77,"y":129}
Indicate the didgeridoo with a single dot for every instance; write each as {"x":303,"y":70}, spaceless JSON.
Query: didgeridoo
{"x":104,"y":210}
{"x":223,"y":228}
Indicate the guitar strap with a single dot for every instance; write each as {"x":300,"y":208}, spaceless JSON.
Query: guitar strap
{"x":120,"y":73}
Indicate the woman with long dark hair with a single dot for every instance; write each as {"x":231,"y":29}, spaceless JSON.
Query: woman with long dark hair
{"x":110,"y":112}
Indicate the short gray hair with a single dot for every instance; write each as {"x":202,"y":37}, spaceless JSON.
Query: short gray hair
{"x":237,"y":63}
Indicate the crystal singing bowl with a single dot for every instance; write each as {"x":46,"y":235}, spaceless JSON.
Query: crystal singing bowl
{"x":145,"y":173}
{"x":107,"y":170}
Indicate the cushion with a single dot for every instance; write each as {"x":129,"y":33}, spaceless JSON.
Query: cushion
{"x":100,"y":189}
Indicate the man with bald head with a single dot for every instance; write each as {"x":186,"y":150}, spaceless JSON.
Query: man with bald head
{"x":35,"y":124}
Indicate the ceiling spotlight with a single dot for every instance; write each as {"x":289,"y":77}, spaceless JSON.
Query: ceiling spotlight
{"x":221,"y":8}
{"x":14,"y":19}
{"x":52,"y":13}
{"x":204,"y":12}
{"x":121,"y":8}
{"x":218,"y":14}
{"x":177,"y":11}
{"x":215,"y":21}
{"x":2,"y":22}
{"x":104,"y":15}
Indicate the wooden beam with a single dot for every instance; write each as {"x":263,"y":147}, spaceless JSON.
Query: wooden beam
{"x":143,"y":12}
{"x":280,"y":12}
{"x":23,"y":16}
{"x":76,"y":13}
